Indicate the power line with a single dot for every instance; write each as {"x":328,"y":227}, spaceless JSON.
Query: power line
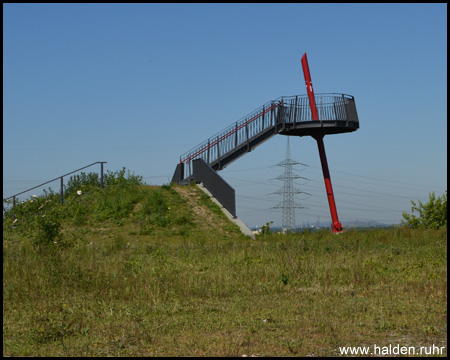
{"x":372,"y":178}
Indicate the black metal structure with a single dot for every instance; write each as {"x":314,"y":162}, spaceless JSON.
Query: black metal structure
{"x":337,"y":114}
{"x":287,"y":115}
{"x":216,"y":185}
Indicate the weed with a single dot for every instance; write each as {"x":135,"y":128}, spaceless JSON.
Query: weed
{"x":284,"y":278}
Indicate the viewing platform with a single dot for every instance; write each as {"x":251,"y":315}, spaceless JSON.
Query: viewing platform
{"x":337,"y":114}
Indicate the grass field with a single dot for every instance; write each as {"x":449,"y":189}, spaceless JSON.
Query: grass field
{"x":160,"y":271}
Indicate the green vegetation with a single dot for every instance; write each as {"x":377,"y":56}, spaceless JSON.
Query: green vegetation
{"x":136,"y":270}
{"x":432,"y":215}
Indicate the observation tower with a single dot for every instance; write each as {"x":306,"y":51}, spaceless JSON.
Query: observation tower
{"x":314,"y":115}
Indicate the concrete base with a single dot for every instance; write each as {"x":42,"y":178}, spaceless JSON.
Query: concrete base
{"x":244,"y":228}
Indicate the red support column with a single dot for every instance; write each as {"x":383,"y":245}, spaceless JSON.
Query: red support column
{"x":336,"y":226}
{"x":309,"y":87}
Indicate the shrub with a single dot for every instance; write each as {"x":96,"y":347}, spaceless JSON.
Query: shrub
{"x":40,"y":220}
{"x":432,"y":215}
{"x":118,"y":178}
{"x":116,"y":201}
{"x":81,"y":182}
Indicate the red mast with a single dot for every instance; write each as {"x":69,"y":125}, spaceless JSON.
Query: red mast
{"x":336,"y":226}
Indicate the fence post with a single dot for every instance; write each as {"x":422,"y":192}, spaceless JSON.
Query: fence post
{"x":101,"y":176}
{"x":62,"y":191}
{"x":14,"y":202}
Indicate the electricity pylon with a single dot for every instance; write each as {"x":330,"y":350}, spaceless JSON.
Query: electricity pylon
{"x":288,"y":205}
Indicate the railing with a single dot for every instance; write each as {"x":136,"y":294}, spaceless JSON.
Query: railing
{"x":223,"y":141}
{"x":330,"y":107}
{"x":233,"y":136}
{"x":285,"y":109}
{"x":62,"y":182}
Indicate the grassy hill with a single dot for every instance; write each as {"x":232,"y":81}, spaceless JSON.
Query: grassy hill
{"x":136,"y":270}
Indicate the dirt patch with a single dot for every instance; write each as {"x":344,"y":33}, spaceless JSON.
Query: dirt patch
{"x":201,"y":212}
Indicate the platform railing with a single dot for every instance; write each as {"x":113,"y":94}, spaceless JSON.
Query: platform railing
{"x":61,"y":178}
{"x":330,"y":107}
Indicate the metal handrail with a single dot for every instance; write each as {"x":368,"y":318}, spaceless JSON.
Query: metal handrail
{"x":60,"y":177}
{"x":235,"y":135}
{"x":330,"y":107}
{"x":230,"y":130}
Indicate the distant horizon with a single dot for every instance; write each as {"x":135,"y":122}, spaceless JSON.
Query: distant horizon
{"x":276,"y":218}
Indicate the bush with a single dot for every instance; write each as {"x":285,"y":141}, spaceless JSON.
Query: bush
{"x":82,"y":182}
{"x":40,"y":220}
{"x":116,"y":201}
{"x":41,"y":217}
{"x":432,"y":215}
{"x":118,"y":178}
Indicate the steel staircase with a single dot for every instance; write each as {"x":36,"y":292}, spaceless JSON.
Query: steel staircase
{"x":285,"y":115}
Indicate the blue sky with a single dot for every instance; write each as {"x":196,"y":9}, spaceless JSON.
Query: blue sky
{"x":137,"y":85}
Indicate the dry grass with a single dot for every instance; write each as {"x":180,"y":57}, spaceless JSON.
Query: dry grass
{"x":197,"y":287}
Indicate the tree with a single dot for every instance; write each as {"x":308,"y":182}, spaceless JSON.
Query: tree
{"x":432,"y":215}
